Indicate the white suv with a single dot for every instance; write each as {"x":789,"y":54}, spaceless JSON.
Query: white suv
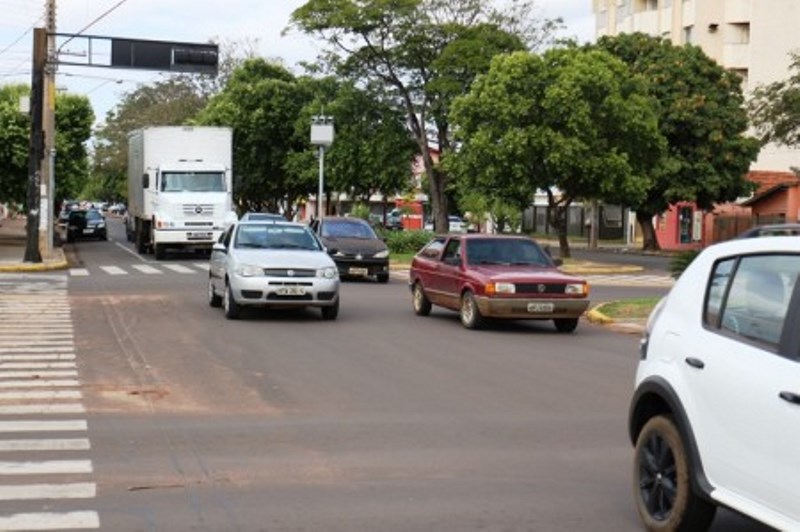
{"x":715,"y":417}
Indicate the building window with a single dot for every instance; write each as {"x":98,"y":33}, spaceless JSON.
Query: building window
{"x":744,"y":74}
{"x":739,"y":33}
{"x":687,"y":34}
{"x":645,"y":5}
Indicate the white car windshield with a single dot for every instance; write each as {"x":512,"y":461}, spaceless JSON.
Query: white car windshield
{"x":275,"y":236}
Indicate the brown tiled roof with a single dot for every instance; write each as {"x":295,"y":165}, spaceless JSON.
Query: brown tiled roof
{"x":768,"y":180}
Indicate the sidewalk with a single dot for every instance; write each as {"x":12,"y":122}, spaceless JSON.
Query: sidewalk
{"x":13,"y":240}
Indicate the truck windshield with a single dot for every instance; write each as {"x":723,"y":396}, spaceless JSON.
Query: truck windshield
{"x":192,"y":182}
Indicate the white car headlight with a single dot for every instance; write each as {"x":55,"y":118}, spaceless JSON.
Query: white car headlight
{"x":327,"y":273}
{"x":382,"y":254}
{"x":581,"y":289}
{"x":500,"y":288}
{"x":246,"y":270}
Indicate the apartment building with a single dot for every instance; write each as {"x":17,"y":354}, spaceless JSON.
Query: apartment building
{"x":753,"y":38}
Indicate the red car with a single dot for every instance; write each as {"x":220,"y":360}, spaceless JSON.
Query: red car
{"x":495,"y":276}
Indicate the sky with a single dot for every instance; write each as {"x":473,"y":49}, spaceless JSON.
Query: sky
{"x":259,"y":21}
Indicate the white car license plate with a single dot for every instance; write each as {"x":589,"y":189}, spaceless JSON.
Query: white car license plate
{"x":358,"y":271}
{"x":88,"y":231}
{"x":291,"y":291}
{"x":540,"y":307}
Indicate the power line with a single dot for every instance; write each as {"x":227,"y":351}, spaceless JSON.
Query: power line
{"x":26,"y":32}
{"x":92,"y":23}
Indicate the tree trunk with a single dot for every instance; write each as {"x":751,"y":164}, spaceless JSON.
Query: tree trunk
{"x":557,"y":218}
{"x":650,"y":241}
{"x":438,"y":199}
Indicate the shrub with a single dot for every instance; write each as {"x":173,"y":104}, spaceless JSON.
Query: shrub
{"x":681,"y":261}
{"x":406,"y":241}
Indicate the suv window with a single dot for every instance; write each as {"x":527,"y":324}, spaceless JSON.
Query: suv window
{"x":757,"y":298}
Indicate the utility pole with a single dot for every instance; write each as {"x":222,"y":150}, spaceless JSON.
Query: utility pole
{"x":32,"y":253}
{"x":47,"y":164}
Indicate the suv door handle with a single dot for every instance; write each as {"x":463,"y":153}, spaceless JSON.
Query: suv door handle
{"x":695,"y":362}
{"x":790,"y":397}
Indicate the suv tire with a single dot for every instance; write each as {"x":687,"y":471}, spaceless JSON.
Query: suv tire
{"x":662,"y":481}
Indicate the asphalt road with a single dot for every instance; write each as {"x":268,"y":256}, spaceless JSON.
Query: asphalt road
{"x":381,"y":420}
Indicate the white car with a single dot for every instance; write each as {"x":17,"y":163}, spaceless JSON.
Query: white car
{"x":272,"y":264}
{"x":715,"y":416}
{"x":455,"y":225}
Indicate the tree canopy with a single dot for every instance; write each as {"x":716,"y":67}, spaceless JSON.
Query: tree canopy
{"x":424,"y":52}
{"x":701,"y":115}
{"x":14,"y":139}
{"x":572,"y":122}
{"x":775,"y":108}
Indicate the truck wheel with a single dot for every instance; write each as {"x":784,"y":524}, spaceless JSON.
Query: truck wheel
{"x":160,"y":251}
{"x":141,"y":245}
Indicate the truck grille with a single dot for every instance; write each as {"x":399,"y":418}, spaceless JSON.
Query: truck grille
{"x":198,"y":209}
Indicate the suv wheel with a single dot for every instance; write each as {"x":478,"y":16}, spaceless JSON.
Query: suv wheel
{"x":662,"y":481}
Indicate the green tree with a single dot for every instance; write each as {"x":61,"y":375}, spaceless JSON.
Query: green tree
{"x":424,"y":52}
{"x":373,"y":149}
{"x":74,"y":119}
{"x":702,"y":116}
{"x":262,"y":103}
{"x":572,"y":122}
{"x":775,"y":108}
{"x":14,"y":139}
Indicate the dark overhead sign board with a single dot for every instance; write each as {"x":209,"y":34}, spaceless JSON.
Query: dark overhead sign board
{"x":160,"y":55}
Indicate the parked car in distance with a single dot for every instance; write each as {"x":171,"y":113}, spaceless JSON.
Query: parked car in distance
{"x":117,"y":208}
{"x":772,"y":230}
{"x":86,"y":223}
{"x":455,"y":224}
{"x":715,"y":413}
{"x":272,"y":264}
{"x":354,"y":246}
{"x":394,"y":220}
{"x":262,"y":216}
{"x":495,"y":276}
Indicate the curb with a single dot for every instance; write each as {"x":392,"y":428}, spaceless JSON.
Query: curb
{"x":596,"y":316}
{"x":57,"y":263}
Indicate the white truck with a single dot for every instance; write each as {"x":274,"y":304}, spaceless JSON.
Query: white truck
{"x":180,"y":190}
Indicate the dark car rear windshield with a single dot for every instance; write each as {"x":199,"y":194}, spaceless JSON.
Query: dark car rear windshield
{"x":348,"y":229}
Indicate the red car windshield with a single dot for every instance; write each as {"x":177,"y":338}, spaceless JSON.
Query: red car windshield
{"x":505,"y":251}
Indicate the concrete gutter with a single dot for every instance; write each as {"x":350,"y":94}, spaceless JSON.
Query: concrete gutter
{"x":57,"y":262}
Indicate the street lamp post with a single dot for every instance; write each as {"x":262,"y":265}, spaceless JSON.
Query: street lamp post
{"x":322,"y":136}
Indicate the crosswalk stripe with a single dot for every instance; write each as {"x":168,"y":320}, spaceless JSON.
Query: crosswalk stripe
{"x":43,"y":426}
{"x":113,"y":270}
{"x":59,"y":444}
{"x":45,"y":467}
{"x":146,"y":268}
{"x":37,"y":365}
{"x":66,"y":408}
{"x":40,"y":394}
{"x":37,"y":374}
{"x":201,"y":265}
{"x":75,"y":490}
{"x":50,"y":521}
{"x":178,"y":268}
{"x":60,"y":383}
{"x":38,"y":356}
{"x":78,"y":272}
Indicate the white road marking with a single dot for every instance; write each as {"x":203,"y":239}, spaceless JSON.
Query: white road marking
{"x":34,"y":355}
{"x":37,"y":365}
{"x":46,"y":467}
{"x":21,"y":492}
{"x":113,"y":270}
{"x":50,"y":521}
{"x":38,"y":374}
{"x":201,"y":265}
{"x":78,"y":272}
{"x":63,"y":444}
{"x":30,"y":350}
{"x":66,"y":408}
{"x":146,"y":268}
{"x":39,"y":384}
{"x":178,"y":268}
{"x":41,"y":394}
{"x":43,"y":426}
